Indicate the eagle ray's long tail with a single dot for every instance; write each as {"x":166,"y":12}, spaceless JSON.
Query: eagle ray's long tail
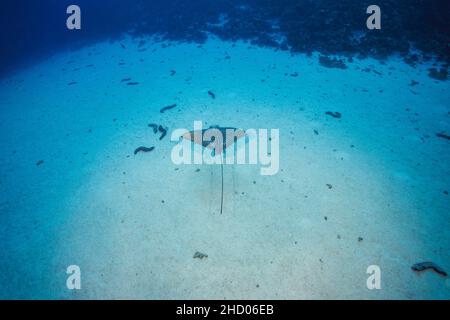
{"x":221,"y":197}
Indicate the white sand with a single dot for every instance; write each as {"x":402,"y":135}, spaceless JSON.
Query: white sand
{"x":103,"y":210}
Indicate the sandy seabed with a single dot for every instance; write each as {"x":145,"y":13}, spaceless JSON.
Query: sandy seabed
{"x":133,"y":222}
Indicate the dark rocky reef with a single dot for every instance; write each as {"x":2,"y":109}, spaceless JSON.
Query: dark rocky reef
{"x":327,"y":26}
{"x":439,"y":74}
{"x":332,"y":62}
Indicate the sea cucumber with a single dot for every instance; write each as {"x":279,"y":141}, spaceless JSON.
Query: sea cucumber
{"x":199,"y":255}
{"x":422,"y":266}
{"x":212,"y":94}
{"x":163,"y":131}
{"x":132,"y":83}
{"x":442,"y":135}
{"x":154,"y":126}
{"x":167,"y":108}
{"x":334,"y":114}
{"x":143,"y":149}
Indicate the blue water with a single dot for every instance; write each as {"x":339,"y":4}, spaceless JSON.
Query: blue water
{"x":368,"y":187}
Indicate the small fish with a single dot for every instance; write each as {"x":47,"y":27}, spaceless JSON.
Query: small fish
{"x":143,"y":149}
{"x":39,"y":162}
{"x":132,"y":83}
{"x":123,"y":46}
{"x":172,"y":72}
{"x":72,"y":83}
{"x":212,"y":94}
{"x":125,"y":79}
{"x":167,"y":108}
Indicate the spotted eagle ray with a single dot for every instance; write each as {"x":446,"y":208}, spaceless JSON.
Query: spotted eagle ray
{"x":228,"y":140}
